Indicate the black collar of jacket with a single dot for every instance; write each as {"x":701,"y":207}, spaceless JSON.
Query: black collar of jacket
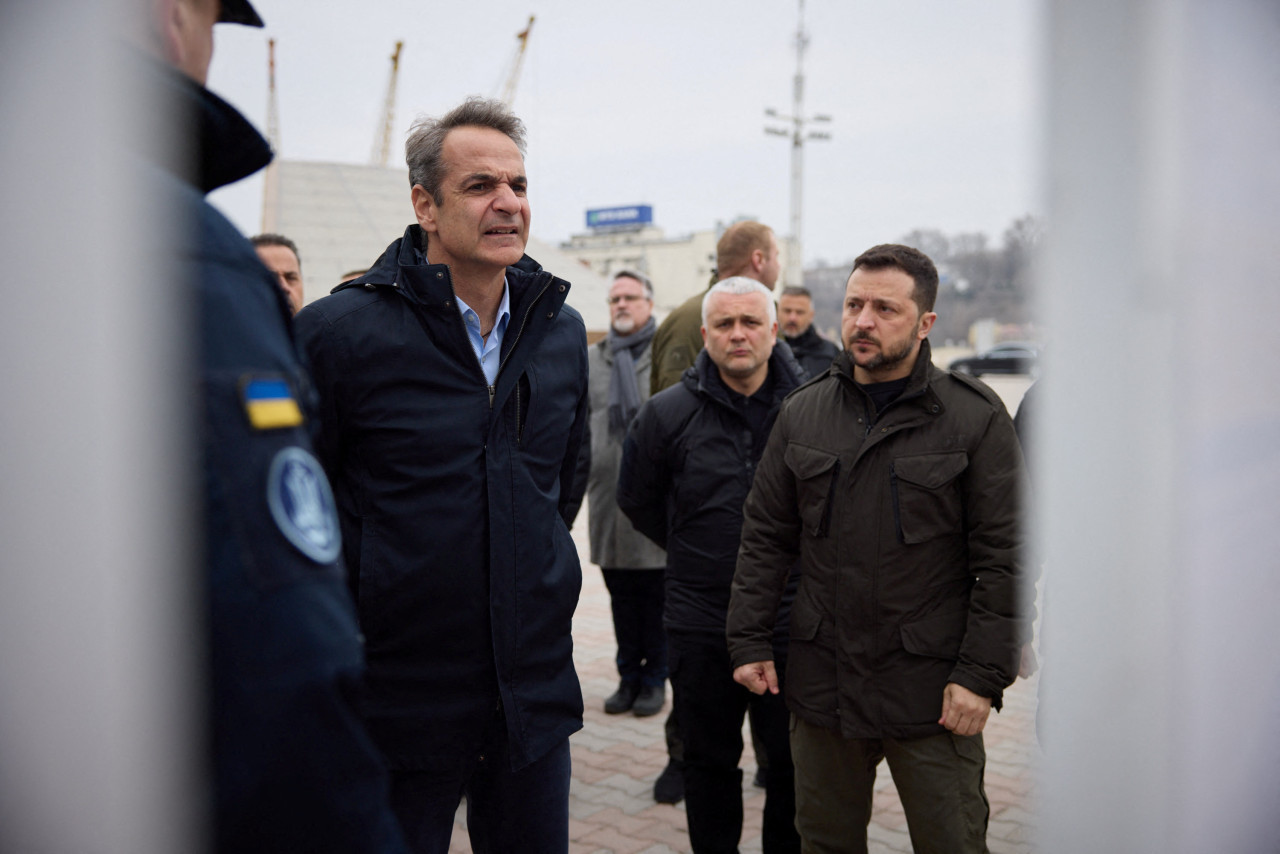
{"x":918,"y":386}
{"x":783,"y":367}
{"x":430,"y":285}
{"x":809,"y":337}
{"x":227,"y":147}
{"x":915,"y":387}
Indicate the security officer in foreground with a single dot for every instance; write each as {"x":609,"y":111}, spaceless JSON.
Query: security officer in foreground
{"x":293,"y":769}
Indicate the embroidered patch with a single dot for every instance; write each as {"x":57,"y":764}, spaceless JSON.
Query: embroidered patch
{"x":302,"y":504}
{"x":269,"y":403}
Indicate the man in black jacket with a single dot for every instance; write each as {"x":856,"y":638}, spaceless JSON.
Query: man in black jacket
{"x":687,"y":465}
{"x":795,"y":318}
{"x":453,"y":385}
{"x":293,"y":767}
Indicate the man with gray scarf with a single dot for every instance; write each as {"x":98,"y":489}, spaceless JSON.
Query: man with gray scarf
{"x":632,"y":565}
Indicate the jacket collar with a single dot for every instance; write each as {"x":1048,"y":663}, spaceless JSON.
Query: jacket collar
{"x":228,"y":148}
{"x":402,"y":268}
{"x":783,"y":368}
{"x":807,"y":338}
{"x":918,"y":390}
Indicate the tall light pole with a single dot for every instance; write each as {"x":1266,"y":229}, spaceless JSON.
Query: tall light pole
{"x":799,"y":135}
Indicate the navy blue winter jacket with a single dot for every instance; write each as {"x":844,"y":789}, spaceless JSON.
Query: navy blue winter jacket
{"x":454,"y":497}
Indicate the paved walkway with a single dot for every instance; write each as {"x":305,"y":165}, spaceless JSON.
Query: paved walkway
{"x":617,"y":757}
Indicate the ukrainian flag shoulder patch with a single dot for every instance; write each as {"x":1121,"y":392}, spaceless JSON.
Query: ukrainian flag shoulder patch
{"x":269,"y":402}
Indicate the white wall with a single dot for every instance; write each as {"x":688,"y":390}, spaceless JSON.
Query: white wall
{"x":1162,"y":423}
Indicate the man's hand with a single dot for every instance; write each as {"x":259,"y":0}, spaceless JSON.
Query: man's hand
{"x":758,"y":677}
{"x":963,"y":712}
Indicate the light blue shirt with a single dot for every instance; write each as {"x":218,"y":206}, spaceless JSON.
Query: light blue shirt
{"x":488,"y":352}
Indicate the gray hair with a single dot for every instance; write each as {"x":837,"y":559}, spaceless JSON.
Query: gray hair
{"x":422,"y":151}
{"x":739,"y":285}
{"x":639,"y":277}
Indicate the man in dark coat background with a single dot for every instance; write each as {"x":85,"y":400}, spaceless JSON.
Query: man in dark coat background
{"x":453,"y":386}
{"x":795,"y":320}
{"x":687,"y":465}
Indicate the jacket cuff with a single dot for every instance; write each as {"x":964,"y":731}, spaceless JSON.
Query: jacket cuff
{"x":749,"y":654}
{"x":979,"y":687}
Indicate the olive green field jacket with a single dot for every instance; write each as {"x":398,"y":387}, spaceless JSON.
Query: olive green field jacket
{"x":908,"y":530}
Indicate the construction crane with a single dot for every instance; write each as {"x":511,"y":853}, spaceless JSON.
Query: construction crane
{"x":270,"y":182}
{"x":382,"y":141}
{"x":513,"y":76}
{"x":273,"y":106}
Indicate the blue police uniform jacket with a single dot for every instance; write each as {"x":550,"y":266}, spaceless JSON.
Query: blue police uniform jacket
{"x":293,"y":767}
{"x":455,"y":498}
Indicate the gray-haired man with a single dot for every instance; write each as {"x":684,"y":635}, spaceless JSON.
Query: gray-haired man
{"x":453,"y":385}
{"x":687,"y":465}
{"x":631,"y":564}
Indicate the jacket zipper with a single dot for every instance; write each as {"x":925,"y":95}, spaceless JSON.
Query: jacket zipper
{"x":523,"y":324}
{"x":519,"y":332}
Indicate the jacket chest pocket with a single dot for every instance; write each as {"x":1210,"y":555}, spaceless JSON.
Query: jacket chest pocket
{"x":816,"y":473}
{"x":926,"y":497}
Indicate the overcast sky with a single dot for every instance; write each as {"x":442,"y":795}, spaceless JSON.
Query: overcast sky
{"x":935,"y":105}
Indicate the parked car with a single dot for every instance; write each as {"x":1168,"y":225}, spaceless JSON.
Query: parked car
{"x":1011,"y":357}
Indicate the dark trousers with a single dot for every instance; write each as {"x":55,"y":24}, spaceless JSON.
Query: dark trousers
{"x":709,"y":709}
{"x":938,"y":777}
{"x":525,"y":810}
{"x":635,"y":596}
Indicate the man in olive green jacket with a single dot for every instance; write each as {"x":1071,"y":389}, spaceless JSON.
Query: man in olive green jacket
{"x":897,"y":486}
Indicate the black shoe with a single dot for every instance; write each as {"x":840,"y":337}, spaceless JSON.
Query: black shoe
{"x":760,"y":781}
{"x":650,"y":701}
{"x":623,"y":699}
{"x":669,"y":787}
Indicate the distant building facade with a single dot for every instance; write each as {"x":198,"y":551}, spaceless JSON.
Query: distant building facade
{"x":626,"y":238}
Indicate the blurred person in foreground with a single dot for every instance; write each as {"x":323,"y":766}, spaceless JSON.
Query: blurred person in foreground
{"x":896,"y":484}
{"x":631,"y":564}
{"x":795,"y":319}
{"x":293,"y":768}
{"x":686,"y":467}
{"x":280,"y":255}
{"x":453,"y":386}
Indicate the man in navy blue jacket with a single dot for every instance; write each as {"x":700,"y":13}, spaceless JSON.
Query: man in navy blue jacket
{"x":453,"y":386}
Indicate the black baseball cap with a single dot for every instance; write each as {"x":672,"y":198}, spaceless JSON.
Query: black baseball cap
{"x":239,"y":12}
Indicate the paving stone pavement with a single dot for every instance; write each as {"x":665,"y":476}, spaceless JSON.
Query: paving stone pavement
{"x":616,"y":758}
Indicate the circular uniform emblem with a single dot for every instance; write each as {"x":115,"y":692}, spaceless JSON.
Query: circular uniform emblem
{"x":302,"y":504}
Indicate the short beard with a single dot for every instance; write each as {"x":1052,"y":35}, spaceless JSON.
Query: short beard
{"x":624,"y":325}
{"x":884,"y":359}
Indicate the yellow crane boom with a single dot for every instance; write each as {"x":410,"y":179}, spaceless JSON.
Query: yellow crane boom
{"x":382,"y":141}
